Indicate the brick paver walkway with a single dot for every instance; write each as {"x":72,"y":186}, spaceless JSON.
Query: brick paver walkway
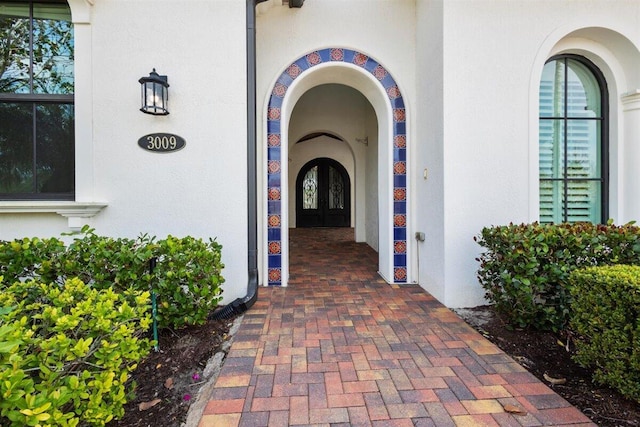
{"x":340,"y":347}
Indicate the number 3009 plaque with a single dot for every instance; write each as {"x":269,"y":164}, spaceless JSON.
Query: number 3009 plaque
{"x":161,"y":142}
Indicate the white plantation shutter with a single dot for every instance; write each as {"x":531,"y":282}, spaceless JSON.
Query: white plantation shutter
{"x":570,"y":136}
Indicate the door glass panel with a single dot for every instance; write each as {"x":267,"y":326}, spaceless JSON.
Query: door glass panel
{"x":336,"y":189}
{"x":310,"y":189}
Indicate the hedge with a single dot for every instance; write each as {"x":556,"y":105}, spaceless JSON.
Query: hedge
{"x":188,"y":278}
{"x":524,"y":268}
{"x":606,"y":319}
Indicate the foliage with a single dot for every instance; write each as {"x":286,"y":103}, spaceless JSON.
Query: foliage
{"x":26,"y":258}
{"x":606,"y":319}
{"x":187,"y":279}
{"x":524,"y":268}
{"x":66,"y":352}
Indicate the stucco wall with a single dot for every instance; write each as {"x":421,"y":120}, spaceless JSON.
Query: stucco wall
{"x":489,"y":114}
{"x":198,"y":191}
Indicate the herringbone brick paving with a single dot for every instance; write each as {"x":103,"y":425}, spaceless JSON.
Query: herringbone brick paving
{"x":340,"y":347}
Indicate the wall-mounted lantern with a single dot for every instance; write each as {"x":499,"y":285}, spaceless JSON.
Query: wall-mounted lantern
{"x":155,"y":94}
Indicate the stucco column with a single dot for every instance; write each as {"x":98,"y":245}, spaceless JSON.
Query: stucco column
{"x":631,"y":161}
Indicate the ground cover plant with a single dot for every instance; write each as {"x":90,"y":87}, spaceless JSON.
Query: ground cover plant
{"x":75,"y":320}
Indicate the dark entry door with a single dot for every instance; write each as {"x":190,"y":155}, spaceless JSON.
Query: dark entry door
{"x":323,"y":195}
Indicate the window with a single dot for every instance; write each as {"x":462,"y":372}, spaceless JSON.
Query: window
{"x":573,"y":142}
{"x":36,"y":101}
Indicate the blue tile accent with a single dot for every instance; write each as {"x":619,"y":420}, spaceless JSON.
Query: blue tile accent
{"x":348,"y":55}
{"x":302,"y":63}
{"x":274,"y":153}
{"x":399,"y":181}
{"x":400,"y":233}
{"x":273,"y":207}
{"x":397,"y":103}
{"x":399,"y":155}
{"x":274,"y":180}
{"x":275,"y":102}
{"x":400,"y":128}
{"x":400,"y":260}
{"x":273,"y":126}
{"x":388,"y":82}
{"x":325,"y":54}
{"x":399,"y":207}
{"x":273,"y":235}
{"x":371,"y":65}
{"x":275,"y":261}
{"x":285,"y":79}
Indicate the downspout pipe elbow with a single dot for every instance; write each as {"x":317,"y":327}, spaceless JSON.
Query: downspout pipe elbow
{"x":241,"y":305}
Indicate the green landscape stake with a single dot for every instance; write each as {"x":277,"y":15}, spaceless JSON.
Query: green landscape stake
{"x":154,"y":306}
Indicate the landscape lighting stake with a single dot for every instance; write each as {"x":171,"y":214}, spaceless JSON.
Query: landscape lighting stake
{"x":154,"y":306}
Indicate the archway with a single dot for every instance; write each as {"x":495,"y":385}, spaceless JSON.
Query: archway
{"x":355,"y":69}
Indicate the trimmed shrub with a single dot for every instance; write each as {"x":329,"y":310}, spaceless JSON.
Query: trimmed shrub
{"x":525,"y":268}
{"x":66,"y":352}
{"x":606,"y":304}
{"x":29,"y":258}
{"x":187,"y":279}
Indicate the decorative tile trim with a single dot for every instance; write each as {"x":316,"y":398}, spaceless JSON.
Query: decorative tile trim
{"x":398,"y":161}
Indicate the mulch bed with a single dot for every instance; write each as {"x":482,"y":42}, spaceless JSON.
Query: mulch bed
{"x":546,"y":353}
{"x":173,"y":375}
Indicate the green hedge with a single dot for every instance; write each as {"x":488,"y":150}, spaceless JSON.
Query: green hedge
{"x":524,"y":268}
{"x":66,"y":352}
{"x":187,"y":280}
{"x":606,"y":306}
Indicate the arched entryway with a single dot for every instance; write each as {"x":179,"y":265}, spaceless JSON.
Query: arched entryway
{"x":365,"y":75}
{"x":323,"y":195}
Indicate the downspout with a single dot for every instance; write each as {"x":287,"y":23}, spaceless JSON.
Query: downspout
{"x":240,"y":305}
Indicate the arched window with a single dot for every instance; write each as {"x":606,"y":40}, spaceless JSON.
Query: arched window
{"x":37,"y":159}
{"x":573,"y":141}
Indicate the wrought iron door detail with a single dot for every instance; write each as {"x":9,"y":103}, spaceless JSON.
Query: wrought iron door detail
{"x":322,"y":195}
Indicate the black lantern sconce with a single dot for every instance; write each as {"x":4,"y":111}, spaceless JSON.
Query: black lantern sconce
{"x":155,"y":94}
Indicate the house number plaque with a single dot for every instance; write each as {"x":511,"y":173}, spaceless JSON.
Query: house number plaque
{"x":161,"y":142}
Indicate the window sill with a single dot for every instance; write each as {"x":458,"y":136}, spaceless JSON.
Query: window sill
{"x":73,"y":211}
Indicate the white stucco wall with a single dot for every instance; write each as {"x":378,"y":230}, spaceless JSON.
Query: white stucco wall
{"x":200,"y":190}
{"x":489,"y":115}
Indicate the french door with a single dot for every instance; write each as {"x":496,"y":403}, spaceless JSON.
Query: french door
{"x":323,"y":196}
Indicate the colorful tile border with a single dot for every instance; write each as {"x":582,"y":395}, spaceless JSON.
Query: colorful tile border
{"x":399,"y":159}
